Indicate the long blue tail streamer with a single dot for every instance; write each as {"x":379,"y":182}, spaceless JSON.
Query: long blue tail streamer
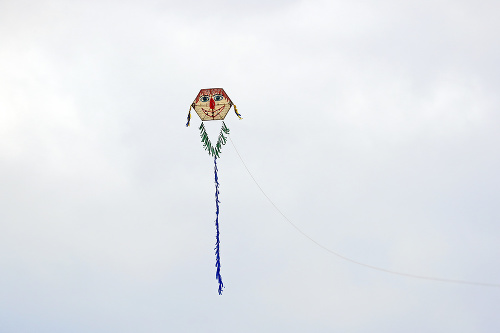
{"x":217,"y":242}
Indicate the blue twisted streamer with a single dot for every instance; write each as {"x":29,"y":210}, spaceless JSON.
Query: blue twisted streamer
{"x":217,"y":243}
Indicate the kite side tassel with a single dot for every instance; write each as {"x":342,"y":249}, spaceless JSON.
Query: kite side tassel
{"x":217,"y":240}
{"x":189,"y":117}
{"x":236,"y":111}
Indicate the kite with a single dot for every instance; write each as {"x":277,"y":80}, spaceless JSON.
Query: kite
{"x":213,"y":104}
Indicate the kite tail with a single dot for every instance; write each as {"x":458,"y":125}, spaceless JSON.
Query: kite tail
{"x":236,"y":111}
{"x":221,"y":141}
{"x":189,"y":117}
{"x":217,"y":242}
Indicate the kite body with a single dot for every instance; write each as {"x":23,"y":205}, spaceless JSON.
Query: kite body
{"x":213,"y":104}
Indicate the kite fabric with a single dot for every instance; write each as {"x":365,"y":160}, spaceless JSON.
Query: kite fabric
{"x":213,"y":104}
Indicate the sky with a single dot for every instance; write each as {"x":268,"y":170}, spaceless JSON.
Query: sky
{"x":373,"y":126}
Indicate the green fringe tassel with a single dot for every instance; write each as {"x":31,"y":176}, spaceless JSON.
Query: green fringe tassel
{"x":221,"y":141}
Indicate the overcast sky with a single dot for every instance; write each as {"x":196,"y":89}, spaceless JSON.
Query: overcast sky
{"x":373,"y":125}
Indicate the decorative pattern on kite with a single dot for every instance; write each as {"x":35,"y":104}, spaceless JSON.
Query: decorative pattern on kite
{"x":212,"y":104}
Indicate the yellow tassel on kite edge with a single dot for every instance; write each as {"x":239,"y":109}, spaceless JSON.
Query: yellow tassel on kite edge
{"x":189,"y":117}
{"x":236,"y":111}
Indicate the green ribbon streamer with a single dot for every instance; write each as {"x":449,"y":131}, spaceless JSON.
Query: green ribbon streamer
{"x":221,"y":140}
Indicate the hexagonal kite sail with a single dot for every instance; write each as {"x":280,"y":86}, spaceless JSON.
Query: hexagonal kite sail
{"x":213,"y":104}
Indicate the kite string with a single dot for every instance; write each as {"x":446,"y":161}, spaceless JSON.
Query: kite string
{"x":217,"y":240}
{"x":347,"y":258}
